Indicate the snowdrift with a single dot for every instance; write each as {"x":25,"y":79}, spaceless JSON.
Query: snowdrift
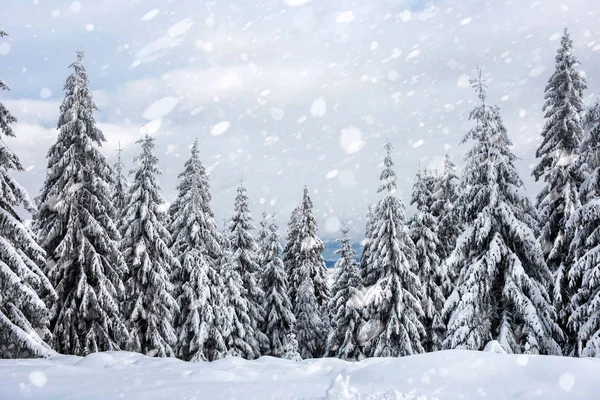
{"x":455,"y":374}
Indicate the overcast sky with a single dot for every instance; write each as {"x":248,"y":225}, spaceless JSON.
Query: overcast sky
{"x":289,"y":93}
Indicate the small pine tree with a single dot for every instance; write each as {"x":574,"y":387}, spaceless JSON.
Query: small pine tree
{"x":584,"y":226}
{"x":500,"y":293}
{"x":245,"y":256}
{"x":279,"y":317}
{"x":197,"y":284}
{"x":346,"y":304}
{"x":121,"y":185}
{"x":432,"y":274}
{"x":77,"y":231}
{"x":394,"y":287}
{"x":445,"y":210}
{"x":24,"y":317}
{"x":291,"y":349}
{"x":558,"y":154}
{"x":150,"y":307}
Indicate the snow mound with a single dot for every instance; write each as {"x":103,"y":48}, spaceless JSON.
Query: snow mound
{"x":453,"y":374}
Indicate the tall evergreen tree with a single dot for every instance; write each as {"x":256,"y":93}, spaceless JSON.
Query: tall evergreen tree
{"x":584,"y":225}
{"x":291,"y":254}
{"x":346,"y":304}
{"x":279,"y":317}
{"x":500,"y":293}
{"x":238,"y":330}
{"x":24,"y":317}
{"x":431,"y":272}
{"x":262,"y":240}
{"x":197,"y":284}
{"x":121,"y":184}
{"x":150,"y":307}
{"x":445,"y":209}
{"x":369,"y":226}
{"x":77,"y":231}
{"x":245,"y":257}
{"x":558,"y":153}
{"x":394,"y":287}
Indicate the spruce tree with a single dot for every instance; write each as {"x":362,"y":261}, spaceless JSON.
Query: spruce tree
{"x":245,"y":257}
{"x":346,"y":304}
{"x":500,"y":293}
{"x":393,"y":284}
{"x":121,"y":184}
{"x":238,"y":330}
{"x":77,"y":231}
{"x":150,"y":307}
{"x":291,"y":254}
{"x":431,"y":272}
{"x":558,"y":154}
{"x":24,"y":316}
{"x":445,"y":209}
{"x":364,"y":257}
{"x":197,"y":283}
{"x":262,"y":239}
{"x":279,"y":317}
{"x":584,"y":276}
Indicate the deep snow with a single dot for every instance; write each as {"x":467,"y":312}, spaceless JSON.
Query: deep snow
{"x":455,"y":374}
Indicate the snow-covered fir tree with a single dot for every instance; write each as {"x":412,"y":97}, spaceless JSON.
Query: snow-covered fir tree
{"x":238,"y":330}
{"x":584,"y":276}
{"x":245,"y":258}
{"x":394,"y":288}
{"x":279,"y":316}
{"x":369,"y":226}
{"x":431,"y":272}
{"x":262,"y":239}
{"x":121,"y":184}
{"x":445,"y":209}
{"x":150,"y":307}
{"x":77,"y":230}
{"x":24,"y":316}
{"x":346,"y":304}
{"x":197,"y":283}
{"x":558,"y":152}
{"x":500,"y":293}
{"x":307,"y":277}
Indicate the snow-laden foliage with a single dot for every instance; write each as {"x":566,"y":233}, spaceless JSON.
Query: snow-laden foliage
{"x":445,"y":208}
{"x":307,"y":278}
{"x":558,"y":153}
{"x":584,"y":275}
{"x":346,"y":304}
{"x":24,"y":317}
{"x":245,"y":258}
{"x":238,"y":331}
{"x":150,"y":307}
{"x":369,"y":226}
{"x":432,"y":274}
{"x":279,"y":316}
{"x":197,"y":283}
{"x":262,"y":240}
{"x":121,"y":185}
{"x":500,"y":293}
{"x":394,"y":288}
{"x":77,"y":231}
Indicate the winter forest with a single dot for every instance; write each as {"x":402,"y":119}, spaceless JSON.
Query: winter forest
{"x":98,"y":261}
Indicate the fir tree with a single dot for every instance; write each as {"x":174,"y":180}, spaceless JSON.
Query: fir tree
{"x":77,"y":231}
{"x":238,"y":330}
{"x":121,"y":185}
{"x":584,"y":225}
{"x":24,"y":317}
{"x":394,"y":287}
{"x":346,"y":304}
{"x":558,"y":153}
{"x":291,"y":254}
{"x":279,"y":317}
{"x":445,"y":210}
{"x":262,"y":240}
{"x":150,"y":307}
{"x":432,"y":274}
{"x":307,"y":276}
{"x":500,"y":293}
{"x":197,"y":284}
{"x":364,"y":257}
{"x":245,"y":257}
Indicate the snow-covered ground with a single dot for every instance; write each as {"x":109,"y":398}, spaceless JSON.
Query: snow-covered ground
{"x":455,"y":374}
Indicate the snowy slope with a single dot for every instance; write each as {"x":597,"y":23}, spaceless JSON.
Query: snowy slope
{"x":455,"y":374}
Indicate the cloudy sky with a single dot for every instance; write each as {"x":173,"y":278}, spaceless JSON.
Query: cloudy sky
{"x":286,"y":93}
